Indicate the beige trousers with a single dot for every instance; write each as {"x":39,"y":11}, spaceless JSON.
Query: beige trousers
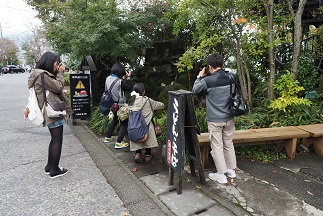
{"x":223,"y":154}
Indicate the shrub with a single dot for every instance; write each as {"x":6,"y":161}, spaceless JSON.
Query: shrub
{"x":162,"y":120}
{"x":99,"y":123}
{"x":288,"y":92}
{"x":163,"y":97}
{"x":67,"y":78}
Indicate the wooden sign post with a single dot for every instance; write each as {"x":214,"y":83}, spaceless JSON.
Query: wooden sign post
{"x":181,"y":135}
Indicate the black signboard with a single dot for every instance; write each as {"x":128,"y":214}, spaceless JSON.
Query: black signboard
{"x":80,"y":95}
{"x":181,"y":136}
{"x":175,"y":144}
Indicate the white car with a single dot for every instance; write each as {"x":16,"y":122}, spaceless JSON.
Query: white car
{"x":28,"y":68}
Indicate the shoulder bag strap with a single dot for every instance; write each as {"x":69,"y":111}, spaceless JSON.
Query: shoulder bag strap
{"x":120,"y":93}
{"x":144,"y":103}
{"x":111,"y":86}
{"x":152,"y":117}
{"x":43,"y":87}
{"x":105,"y":84}
{"x":236,"y":89}
{"x":44,"y":90}
{"x":232,"y":81}
{"x":113,"y":83}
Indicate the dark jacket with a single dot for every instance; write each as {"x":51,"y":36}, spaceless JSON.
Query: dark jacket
{"x":216,"y":88}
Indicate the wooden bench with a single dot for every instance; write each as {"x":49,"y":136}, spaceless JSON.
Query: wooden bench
{"x":282,"y":136}
{"x":316,"y":137}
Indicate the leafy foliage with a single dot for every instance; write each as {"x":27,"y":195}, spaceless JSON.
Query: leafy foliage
{"x":264,"y":153}
{"x":98,"y":122}
{"x":163,"y":96}
{"x":288,"y":91}
{"x":307,"y":71}
{"x":201,"y":119}
{"x":262,"y":117}
{"x":67,"y":77}
{"x":162,"y":120}
{"x":153,"y":18}
{"x":88,"y":27}
{"x":110,"y":31}
{"x":319,"y":89}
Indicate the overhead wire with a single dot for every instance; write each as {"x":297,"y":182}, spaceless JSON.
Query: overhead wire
{"x":14,"y":8}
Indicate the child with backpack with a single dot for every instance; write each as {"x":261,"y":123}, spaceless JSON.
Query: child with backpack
{"x":147,"y":106}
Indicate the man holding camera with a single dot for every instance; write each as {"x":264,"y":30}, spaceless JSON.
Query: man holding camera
{"x":214,"y":82}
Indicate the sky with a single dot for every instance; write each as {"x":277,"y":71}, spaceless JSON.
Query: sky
{"x":15,"y":18}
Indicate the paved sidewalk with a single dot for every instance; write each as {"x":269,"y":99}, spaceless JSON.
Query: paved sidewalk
{"x":284,"y":187}
{"x":25,"y":189}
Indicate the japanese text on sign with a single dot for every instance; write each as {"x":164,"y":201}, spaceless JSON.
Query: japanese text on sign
{"x":172,"y":147}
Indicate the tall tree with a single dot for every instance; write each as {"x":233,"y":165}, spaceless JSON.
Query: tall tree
{"x":90,"y":27}
{"x":35,"y":45}
{"x":217,"y":27}
{"x":8,"y":51}
{"x":297,"y":34}
{"x":269,"y":7}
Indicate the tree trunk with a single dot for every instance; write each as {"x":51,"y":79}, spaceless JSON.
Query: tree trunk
{"x":241,"y":74}
{"x":269,"y":6}
{"x":297,"y":19}
{"x":246,"y":69}
{"x":240,"y":69}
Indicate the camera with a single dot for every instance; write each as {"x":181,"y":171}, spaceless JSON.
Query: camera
{"x":207,"y":72}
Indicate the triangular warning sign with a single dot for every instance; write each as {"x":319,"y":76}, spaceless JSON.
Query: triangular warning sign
{"x":80,"y":85}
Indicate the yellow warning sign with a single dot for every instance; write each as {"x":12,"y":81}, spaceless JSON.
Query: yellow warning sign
{"x":80,"y":85}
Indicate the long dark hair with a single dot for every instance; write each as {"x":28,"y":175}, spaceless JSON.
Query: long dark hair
{"x":139,"y":88}
{"x":46,"y":62}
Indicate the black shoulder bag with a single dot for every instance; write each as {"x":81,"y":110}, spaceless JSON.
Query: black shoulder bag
{"x":106,"y":100}
{"x":238,"y":103}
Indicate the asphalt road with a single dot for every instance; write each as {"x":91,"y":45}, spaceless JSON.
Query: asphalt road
{"x":25,"y":189}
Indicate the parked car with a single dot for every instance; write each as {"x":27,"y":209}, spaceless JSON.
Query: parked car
{"x":12,"y":69}
{"x":27,"y":68}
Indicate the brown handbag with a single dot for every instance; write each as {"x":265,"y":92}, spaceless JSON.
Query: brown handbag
{"x":158,"y":129}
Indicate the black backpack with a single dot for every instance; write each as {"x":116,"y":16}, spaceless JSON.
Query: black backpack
{"x":106,"y":100}
{"x":137,"y":128}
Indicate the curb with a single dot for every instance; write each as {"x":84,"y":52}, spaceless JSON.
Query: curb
{"x":135,"y":180}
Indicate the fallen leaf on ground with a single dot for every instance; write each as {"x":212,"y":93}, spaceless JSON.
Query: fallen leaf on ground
{"x":125,"y":213}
